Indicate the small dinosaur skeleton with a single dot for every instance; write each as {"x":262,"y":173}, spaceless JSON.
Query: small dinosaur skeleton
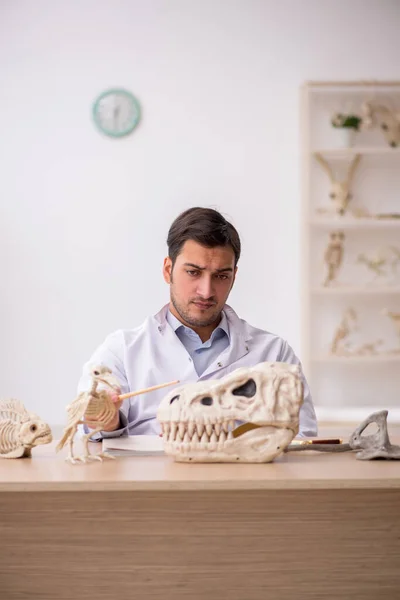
{"x":92,"y":405}
{"x":20,"y":430}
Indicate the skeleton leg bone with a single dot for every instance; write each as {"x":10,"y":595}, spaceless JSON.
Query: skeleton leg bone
{"x":70,"y":457}
{"x":87,"y":455}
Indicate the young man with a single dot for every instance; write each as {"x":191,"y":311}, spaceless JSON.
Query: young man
{"x":197,"y":336}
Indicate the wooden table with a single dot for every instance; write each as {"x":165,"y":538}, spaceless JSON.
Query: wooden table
{"x":309,"y":525}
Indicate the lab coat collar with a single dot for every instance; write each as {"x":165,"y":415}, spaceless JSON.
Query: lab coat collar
{"x":231,"y":317}
{"x":176,"y":324}
{"x":239,"y":338}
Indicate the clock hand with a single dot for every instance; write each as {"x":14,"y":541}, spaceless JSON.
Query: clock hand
{"x":116,"y":114}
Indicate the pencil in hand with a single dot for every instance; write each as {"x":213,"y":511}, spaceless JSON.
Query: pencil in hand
{"x":145,"y":390}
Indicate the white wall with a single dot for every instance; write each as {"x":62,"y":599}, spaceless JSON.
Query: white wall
{"x":84,"y":218}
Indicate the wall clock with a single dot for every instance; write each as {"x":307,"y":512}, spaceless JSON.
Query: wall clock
{"x":116,"y":112}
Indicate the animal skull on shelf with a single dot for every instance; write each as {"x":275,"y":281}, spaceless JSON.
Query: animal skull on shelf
{"x":198,"y":420}
{"x":387,"y":120}
{"x":340,"y":190}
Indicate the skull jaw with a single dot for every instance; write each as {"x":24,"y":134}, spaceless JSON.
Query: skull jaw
{"x":259,"y":445}
{"x":43,"y":439}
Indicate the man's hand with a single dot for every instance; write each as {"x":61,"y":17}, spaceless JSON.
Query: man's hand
{"x":113,"y":423}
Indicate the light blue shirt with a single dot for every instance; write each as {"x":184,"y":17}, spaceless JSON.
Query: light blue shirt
{"x":202,"y":354}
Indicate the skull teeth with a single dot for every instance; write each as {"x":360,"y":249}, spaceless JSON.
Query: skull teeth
{"x":228,"y":426}
{"x":197,"y":433}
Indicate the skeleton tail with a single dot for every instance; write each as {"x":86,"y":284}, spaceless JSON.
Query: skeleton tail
{"x":64,"y":439}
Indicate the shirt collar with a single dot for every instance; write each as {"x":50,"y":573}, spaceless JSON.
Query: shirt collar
{"x":176,"y":324}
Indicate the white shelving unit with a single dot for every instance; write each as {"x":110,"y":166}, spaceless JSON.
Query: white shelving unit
{"x":353,"y":290}
{"x":349,"y":388}
{"x":363,"y":360}
{"x":350,"y":152}
{"x":349,"y":223}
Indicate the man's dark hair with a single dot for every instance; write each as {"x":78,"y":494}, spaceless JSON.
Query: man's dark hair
{"x":205,"y":226}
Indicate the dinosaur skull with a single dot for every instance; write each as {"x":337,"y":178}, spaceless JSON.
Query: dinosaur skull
{"x":198,"y":420}
{"x":35,"y":432}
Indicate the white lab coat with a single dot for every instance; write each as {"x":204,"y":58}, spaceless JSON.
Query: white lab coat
{"x":153,"y":354}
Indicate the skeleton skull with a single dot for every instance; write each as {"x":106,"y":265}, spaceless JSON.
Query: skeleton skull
{"x":340,"y":189}
{"x":340,"y":195}
{"x":198,"y":420}
{"x":389,"y":122}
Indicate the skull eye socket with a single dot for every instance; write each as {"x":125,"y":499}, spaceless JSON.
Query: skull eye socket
{"x":33,"y":428}
{"x":207,"y":401}
{"x":96,"y":372}
{"x":247,"y":390}
{"x":174,"y":398}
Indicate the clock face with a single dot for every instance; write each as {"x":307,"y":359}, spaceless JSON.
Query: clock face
{"x":116,"y":112}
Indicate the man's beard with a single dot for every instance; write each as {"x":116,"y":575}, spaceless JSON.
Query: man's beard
{"x":188,"y":318}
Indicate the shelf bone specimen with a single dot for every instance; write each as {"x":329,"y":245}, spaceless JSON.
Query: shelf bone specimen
{"x":20,"y":430}
{"x":333,"y":256}
{"x":386,"y":119}
{"x":395,"y":318}
{"x":346,"y":327}
{"x":369,"y":348}
{"x":340,"y":190}
{"x":376,"y":263}
{"x":340,"y":343}
{"x":367,"y":117}
{"x":198,"y":420}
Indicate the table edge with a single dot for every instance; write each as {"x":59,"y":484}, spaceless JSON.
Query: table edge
{"x":204,"y":486}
